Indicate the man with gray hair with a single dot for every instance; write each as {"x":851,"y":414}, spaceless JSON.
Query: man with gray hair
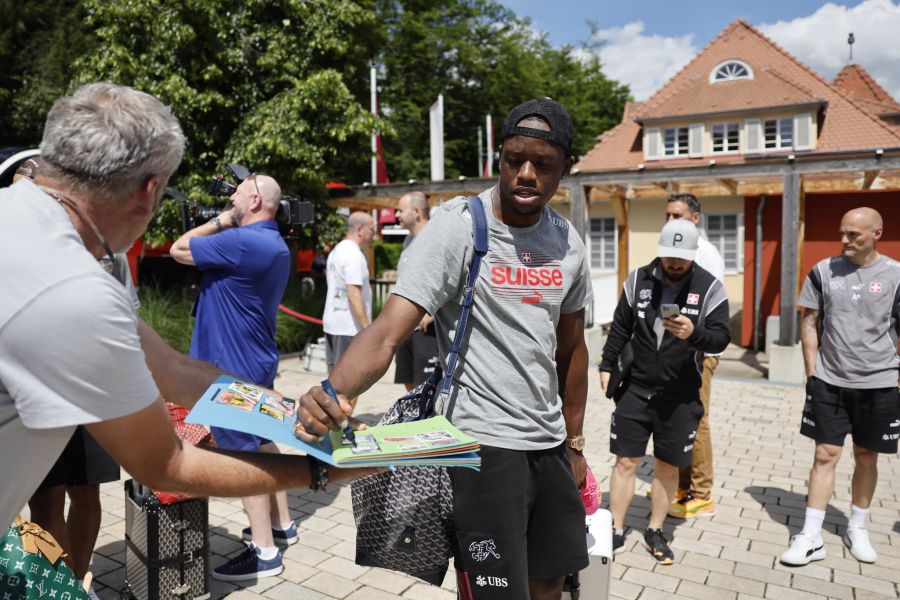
{"x":73,"y":350}
{"x":245,"y":265}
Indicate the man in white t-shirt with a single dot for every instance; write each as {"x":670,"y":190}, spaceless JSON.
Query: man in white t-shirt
{"x":348,"y":306}
{"x":693,"y":498}
{"x":72,"y":349}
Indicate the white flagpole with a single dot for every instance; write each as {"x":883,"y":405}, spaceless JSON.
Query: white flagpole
{"x":480,"y":172}
{"x":436,"y":121}
{"x":373,"y":79}
{"x":489,"y":142}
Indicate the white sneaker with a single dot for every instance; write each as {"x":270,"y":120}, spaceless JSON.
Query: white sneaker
{"x":803,"y":550}
{"x":857,"y":539}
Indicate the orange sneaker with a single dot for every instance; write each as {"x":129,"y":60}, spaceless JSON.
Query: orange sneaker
{"x":690,"y":507}
{"x":679,"y":494}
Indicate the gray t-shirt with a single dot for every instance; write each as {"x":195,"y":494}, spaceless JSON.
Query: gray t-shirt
{"x":506,"y":382}
{"x":69,"y":347}
{"x":859,"y":313}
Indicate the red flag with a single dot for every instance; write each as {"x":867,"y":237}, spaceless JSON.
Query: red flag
{"x":381,"y":166}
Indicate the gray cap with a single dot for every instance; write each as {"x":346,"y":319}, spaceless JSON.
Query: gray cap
{"x":678,"y":239}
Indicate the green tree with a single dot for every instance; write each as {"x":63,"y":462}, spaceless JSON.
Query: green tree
{"x":261,"y":83}
{"x":484,"y":60}
{"x":39,"y":41}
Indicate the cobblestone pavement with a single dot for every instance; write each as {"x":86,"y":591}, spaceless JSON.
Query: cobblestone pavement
{"x":761,"y":467}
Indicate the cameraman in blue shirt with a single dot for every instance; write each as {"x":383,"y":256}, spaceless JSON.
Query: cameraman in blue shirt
{"x":245,"y":265}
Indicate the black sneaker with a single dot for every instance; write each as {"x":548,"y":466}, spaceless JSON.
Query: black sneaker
{"x":656,"y":543}
{"x":618,"y":542}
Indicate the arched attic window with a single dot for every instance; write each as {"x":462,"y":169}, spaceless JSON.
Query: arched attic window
{"x":731,"y":70}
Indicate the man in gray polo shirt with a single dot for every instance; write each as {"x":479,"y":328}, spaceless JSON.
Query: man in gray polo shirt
{"x":851,"y":369}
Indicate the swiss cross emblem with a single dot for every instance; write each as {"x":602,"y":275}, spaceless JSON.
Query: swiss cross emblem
{"x":526,"y":257}
{"x":693,"y":299}
{"x":875,"y":287}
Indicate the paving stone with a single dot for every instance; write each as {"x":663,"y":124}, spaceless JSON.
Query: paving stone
{"x":831,"y":589}
{"x":423,"y":591}
{"x":690,"y":589}
{"x":343,"y":567}
{"x":764,"y":574}
{"x":387,"y":581}
{"x":666,"y":583}
{"x":368,"y":593}
{"x":331,"y":585}
{"x":777,"y":592}
{"x":867,"y":583}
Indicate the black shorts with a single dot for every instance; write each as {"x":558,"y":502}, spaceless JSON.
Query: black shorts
{"x":335,"y":347}
{"x":83,"y":462}
{"x":671,"y":419}
{"x":417,"y":357}
{"x":519,"y":518}
{"x":872,"y":416}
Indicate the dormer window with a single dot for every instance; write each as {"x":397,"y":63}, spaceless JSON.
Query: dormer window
{"x":731,"y":70}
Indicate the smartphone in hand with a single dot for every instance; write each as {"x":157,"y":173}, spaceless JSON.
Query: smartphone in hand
{"x":669,"y":311}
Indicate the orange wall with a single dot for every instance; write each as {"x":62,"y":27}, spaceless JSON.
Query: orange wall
{"x":823,"y":217}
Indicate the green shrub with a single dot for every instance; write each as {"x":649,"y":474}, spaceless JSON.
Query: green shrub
{"x":387,"y":255}
{"x":169,"y":313}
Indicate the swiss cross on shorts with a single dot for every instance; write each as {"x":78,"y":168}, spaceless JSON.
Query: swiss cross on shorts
{"x":875,"y":287}
{"x":693,"y":299}
{"x":526,"y":257}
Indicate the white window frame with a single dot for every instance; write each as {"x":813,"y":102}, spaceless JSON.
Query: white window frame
{"x":779,"y":142}
{"x":725,"y":129}
{"x":615,"y":246}
{"x":677,"y":132}
{"x":718,"y":243}
{"x":713,"y":75}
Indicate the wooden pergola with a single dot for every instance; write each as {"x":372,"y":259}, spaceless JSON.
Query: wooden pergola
{"x":790,"y":175}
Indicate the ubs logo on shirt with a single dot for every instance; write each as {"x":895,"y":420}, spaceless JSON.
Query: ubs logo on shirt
{"x":875,"y":287}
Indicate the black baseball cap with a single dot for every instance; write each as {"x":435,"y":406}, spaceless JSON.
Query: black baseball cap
{"x":550,"y":111}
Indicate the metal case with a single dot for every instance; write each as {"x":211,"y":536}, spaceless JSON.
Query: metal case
{"x":166,"y":546}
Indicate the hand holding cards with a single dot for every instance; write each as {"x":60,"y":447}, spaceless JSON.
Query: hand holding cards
{"x":243,"y":407}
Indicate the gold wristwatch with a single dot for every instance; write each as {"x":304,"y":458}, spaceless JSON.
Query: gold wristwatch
{"x":576,"y":443}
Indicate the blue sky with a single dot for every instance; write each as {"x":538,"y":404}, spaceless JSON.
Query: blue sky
{"x":647,"y":41}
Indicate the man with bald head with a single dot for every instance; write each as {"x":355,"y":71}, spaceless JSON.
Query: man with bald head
{"x":418,"y":356}
{"x":348,"y":306}
{"x":245,"y":265}
{"x":849,"y":331}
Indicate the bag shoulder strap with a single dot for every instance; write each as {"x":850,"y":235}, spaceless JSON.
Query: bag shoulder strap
{"x":480,"y":247}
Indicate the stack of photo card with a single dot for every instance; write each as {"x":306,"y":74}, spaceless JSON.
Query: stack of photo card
{"x":233,"y":404}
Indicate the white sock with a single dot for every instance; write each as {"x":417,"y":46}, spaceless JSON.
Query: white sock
{"x":812,"y":525}
{"x":285,"y":526}
{"x":267,"y":553}
{"x":857,"y":517}
{"x":620,"y":531}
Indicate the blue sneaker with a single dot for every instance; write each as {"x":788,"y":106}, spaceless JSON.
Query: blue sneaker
{"x":282,"y":537}
{"x":248,"y":565}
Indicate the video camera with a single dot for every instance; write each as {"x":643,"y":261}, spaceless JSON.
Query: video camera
{"x":291,"y":211}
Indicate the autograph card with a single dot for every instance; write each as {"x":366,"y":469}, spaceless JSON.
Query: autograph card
{"x":237,"y":400}
{"x":249,"y":392}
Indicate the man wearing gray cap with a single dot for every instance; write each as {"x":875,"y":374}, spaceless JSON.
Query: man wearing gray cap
{"x":522,"y":384}
{"x":672,"y":312}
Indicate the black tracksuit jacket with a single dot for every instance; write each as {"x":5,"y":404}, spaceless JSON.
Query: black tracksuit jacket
{"x":674,"y":365}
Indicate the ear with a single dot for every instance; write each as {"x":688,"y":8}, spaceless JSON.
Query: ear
{"x":877,"y":233}
{"x":149,"y":194}
{"x":695,"y":218}
{"x":567,"y":167}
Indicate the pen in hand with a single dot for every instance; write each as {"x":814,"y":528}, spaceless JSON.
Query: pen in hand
{"x":348,"y":430}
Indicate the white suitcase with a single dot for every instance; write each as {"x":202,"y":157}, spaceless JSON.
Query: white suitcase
{"x":592,"y":583}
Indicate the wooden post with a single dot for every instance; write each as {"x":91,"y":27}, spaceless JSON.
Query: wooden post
{"x":790,"y":222}
{"x":620,"y":205}
{"x":578,"y":209}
